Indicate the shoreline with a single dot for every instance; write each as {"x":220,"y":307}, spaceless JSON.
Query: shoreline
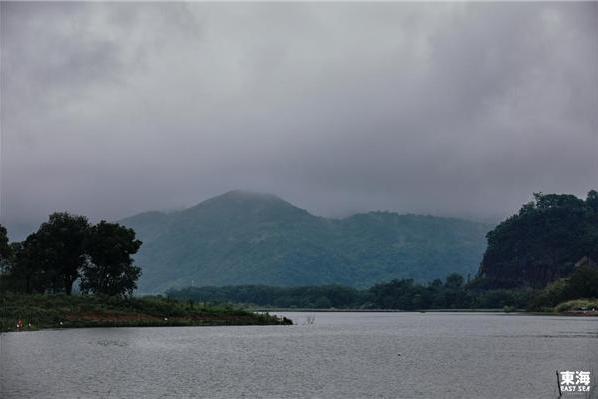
{"x":473,"y":311}
{"x":382,"y":310}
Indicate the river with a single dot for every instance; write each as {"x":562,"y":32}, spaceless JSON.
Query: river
{"x":325,"y":355}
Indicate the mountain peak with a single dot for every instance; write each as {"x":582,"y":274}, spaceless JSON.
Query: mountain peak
{"x":247,"y":195}
{"x":244,"y":197}
{"x":243,"y":203}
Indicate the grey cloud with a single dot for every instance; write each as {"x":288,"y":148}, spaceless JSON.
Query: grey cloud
{"x":453,"y":109}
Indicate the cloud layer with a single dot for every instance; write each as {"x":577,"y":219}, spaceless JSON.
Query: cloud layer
{"x":451,"y":109}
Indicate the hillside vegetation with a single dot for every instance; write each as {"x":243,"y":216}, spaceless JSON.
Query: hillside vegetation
{"x":249,"y":238}
{"x":542,"y":242}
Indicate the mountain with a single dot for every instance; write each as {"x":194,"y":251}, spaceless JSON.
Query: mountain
{"x":251,"y":238}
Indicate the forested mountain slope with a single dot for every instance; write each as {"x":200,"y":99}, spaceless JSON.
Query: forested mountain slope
{"x":250,"y":238}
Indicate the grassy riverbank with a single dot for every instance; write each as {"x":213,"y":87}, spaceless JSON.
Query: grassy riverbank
{"x":61,"y":311}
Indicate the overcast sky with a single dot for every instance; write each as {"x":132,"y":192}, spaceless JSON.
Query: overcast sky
{"x":448,"y":109}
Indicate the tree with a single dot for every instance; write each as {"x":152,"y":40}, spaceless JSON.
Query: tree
{"x":583,"y":283}
{"x":51,"y":258}
{"x":61,"y":244}
{"x":4,"y":247}
{"x":454,"y":281}
{"x":29,"y":271}
{"x":109,"y":268}
{"x":5,"y":255}
{"x":436,"y":283}
{"x":5,"y":252}
{"x":592,"y":200}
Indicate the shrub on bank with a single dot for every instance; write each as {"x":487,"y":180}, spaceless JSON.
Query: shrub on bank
{"x":577,"y":305}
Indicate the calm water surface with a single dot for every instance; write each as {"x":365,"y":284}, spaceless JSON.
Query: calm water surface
{"x":340,"y":355}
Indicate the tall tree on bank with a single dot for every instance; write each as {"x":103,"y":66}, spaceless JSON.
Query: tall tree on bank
{"x":60,"y":245}
{"x":5,"y":251}
{"x":28,"y":270}
{"x":4,"y":246}
{"x":36,"y":264}
{"x":542,"y":242}
{"x":5,"y":254}
{"x":109,"y":268}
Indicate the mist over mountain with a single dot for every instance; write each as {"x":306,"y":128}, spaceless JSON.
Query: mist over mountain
{"x":244,"y":237}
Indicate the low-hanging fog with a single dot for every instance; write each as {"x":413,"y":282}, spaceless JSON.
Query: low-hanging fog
{"x":458,"y":109}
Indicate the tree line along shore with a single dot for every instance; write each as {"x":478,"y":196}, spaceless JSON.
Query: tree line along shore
{"x":572,"y":295}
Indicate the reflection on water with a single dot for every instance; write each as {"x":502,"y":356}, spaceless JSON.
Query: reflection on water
{"x":325,"y":355}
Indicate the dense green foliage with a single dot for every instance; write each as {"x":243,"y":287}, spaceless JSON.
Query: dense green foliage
{"x":542,"y":242}
{"x":246,"y":238}
{"x":4,"y":247}
{"x":68,"y":248}
{"x":577,"y":305}
{"x":397,"y":294}
{"x":5,"y":255}
{"x":109,"y":270}
{"x":61,"y":311}
{"x":583,"y":283}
